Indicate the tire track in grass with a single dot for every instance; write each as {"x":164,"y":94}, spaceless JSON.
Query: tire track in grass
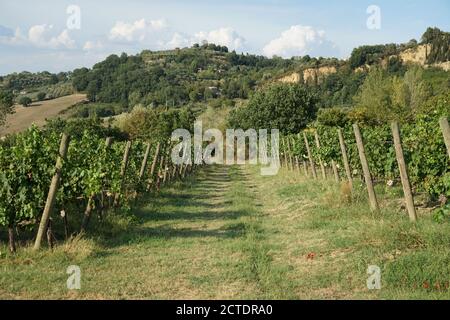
{"x":258,"y":267}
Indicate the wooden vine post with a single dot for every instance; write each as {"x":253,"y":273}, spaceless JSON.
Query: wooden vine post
{"x":291,"y":159}
{"x":165,"y":168}
{"x":311,"y":160}
{"x":174,"y":171}
{"x":63,"y":147}
{"x":153,"y":167}
{"x":365,"y":166}
{"x":296,"y":160}
{"x":87,"y":214}
{"x":160,"y":172}
{"x":183,"y":170}
{"x":144,"y":161}
{"x":108,"y":143}
{"x":322,"y":166}
{"x":345,"y":158}
{"x":11,"y":240}
{"x":304,"y":165}
{"x":446,"y":132}
{"x":403,"y":172}
{"x":123,"y":170}
{"x":297,"y":164}
{"x":335,"y":170}
{"x":283,"y":144}
{"x":169,"y":165}
{"x":305,"y":168}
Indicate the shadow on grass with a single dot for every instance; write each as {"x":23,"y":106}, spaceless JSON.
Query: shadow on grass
{"x":168,"y":232}
{"x":197,"y":199}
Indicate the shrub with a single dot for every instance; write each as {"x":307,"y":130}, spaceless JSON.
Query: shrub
{"x":25,"y":101}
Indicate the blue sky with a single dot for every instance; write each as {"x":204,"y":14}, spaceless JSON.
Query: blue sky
{"x":35,"y":36}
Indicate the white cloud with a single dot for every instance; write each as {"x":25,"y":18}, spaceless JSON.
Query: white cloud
{"x":63,"y":40}
{"x":179,"y":41}
{"x":36,"y":34}
{"x":137,"y":31}
{"x":40,"y":36}
{"x":298,"y":41}
{"x":92,"y":45}
{"x":222,"y":36}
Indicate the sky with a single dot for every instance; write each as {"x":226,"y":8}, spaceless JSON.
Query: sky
{"x":60,"y":35}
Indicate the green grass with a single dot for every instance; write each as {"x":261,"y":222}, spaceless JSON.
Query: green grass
{"x":347,"y":238}
{"x":230,"y":233}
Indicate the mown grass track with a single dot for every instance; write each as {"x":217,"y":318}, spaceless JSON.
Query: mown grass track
{"x":229,"y":233}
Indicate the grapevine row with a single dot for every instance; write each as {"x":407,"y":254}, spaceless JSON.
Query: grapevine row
{"x":94,"y":177}
{"x":423,"y":144}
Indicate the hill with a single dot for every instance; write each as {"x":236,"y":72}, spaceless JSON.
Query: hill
{"x":210,"y":74}
{"x":38,"y":113}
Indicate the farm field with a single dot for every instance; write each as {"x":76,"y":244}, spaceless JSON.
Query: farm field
{"x":229,"y":233}
{"x":279,"y":153}
{"x":37,"y":113}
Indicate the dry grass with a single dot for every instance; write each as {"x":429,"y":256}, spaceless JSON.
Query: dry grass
{"x":37,"y":113}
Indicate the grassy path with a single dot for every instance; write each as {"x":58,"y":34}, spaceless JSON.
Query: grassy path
{"x":199,"y":240}
{"x":230,"y":233}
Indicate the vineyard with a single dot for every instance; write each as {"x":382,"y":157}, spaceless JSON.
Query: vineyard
{"x":209,"y":153}
{"x":93,"y":175}
{"x":417,"y":160}
{"x":226,"y":231}
{"x":110,"y":200}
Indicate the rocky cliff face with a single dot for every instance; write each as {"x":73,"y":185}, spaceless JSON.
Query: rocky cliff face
{"x":443,"y":65}
{"x":318,"y":74}
{"x":291,"y":78}
{"x":309,"y":75}
{"x":419,"y":56}
{"x":416,"y":55}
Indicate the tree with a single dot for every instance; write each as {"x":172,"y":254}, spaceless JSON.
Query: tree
{"x":383,"y":98}
{"x":6,"y":103}
{"x":151,"y":123}
{"x":368,"y":54}
{"x":418,"y":91}
{"x":440,"y":45}
{"x":25,"y":101}
{"x":80,"y":79}
{"x":431,"y":34}
{"x":374,"y":96}
{"x":41,"y":96}
{"x":92,"y":89}
{"x":333,"y":117}
{"x":53,"y":79}
{"x":287,"y":107}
